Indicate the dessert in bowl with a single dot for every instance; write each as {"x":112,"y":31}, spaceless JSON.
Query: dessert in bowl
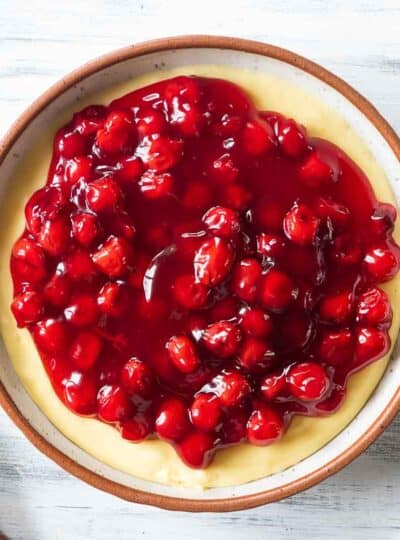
{"x":200,"y":280}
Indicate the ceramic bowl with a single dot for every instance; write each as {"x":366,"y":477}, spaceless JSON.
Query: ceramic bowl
{"x":172,"y":53}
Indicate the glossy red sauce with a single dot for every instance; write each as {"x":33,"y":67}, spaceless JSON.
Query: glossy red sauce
{"x":156,"y":312}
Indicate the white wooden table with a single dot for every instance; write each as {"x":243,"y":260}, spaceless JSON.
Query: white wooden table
{"x":42,"y":40}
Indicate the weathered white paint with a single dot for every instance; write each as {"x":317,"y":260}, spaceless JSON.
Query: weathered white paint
{"x":42,"y":40}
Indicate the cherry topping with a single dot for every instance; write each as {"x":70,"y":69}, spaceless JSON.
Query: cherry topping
{"x":200,"y":271}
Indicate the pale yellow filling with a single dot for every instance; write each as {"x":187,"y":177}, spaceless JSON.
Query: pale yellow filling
{"x":155,"y":460}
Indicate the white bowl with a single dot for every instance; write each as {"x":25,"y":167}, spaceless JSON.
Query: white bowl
{"x":172,"y":53}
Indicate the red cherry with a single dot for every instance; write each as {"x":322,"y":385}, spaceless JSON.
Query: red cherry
{"x":80,"y":393}
{"x":336,"y":347}
{"x":45,"y":204}
{"x":85,"y":349}
{"x":265,"y":426}
{"x":222,"y":338}
{"x":308,"y":381}
{"x":79,"y":168}
{"x":82,"y":310}
{"x":79,"y":266}
{"x":227,"y":125}
{"x":224,"y":170}
{"x":114,"y":257}
{"x":172,"y":421}
{"x":54,"y":236}
{"x":113,"y":404}
{"x":292,"y":138}
{"x":156,"y":186}
{"x":196,"y":449}
{"x":183,"y":354}
{"x":300,"y":225}
{"x":315,"y":172}
{"x":255,"y":322}
{"x":85,"y":228}
{"x":73,"y":144}
{"x":246,"y":278}
{"x":183,"y":88}
{"x":187,"y":119}
{"x":257,"y":137}
{"x":276,"y":290}
{"x":380,"y":263}
{"x":103,"y":194}
{"x":270,"y":245}
{"x":371,"y":344}
{"x":58,"y":290}
{"x":338,"y":214}
{"x":212,"y":261}
{"x":137,"y":378}
{"x":129,"y":169}
{"x":27,"y":308}
{"x":51,"y":335}
{"x":255,"y":354}
{"x":29,"y":261}
{"x":337,"y":308}
{"x":150,"y":122}
{"x":206,"y":411}
{"x":138,"y":428}
{"x":373,"y":307}
{"x":272,"y":385}
{"x":162,"y":153}
{"x":189,"y":293}
{"x":113,"y":298}
{"x":221,"y":221}
{"x":90,"y":120}
{"x":118,"y":134}
{"x":232,"y":388}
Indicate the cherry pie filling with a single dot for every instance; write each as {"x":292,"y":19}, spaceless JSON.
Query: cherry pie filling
{"x":200,"y":271}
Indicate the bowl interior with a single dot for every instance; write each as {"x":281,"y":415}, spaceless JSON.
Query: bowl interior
{"x":128,"y":69}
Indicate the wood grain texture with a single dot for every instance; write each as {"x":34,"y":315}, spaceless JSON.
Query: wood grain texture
{"x":42,"y":40}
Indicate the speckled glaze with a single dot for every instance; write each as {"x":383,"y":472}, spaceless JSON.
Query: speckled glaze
{"x":163,"y":54}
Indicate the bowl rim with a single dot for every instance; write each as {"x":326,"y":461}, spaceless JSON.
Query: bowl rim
{"x":164,"y":501}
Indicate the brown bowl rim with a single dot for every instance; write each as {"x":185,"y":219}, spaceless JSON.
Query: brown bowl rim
{"x":164,"y":501}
